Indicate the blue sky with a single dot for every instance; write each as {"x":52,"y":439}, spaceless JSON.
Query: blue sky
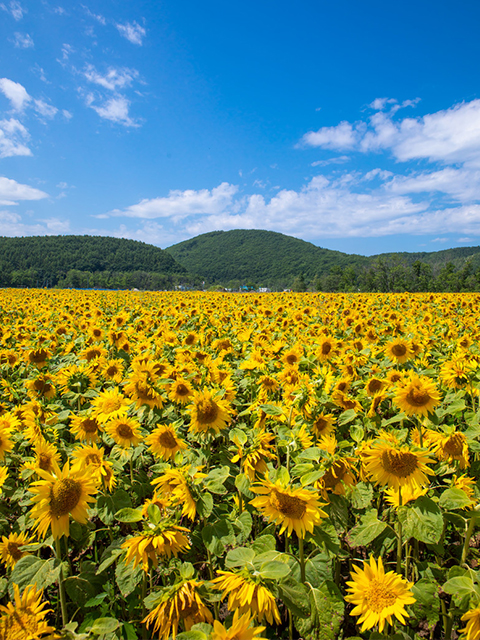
{"x":353,"y":125}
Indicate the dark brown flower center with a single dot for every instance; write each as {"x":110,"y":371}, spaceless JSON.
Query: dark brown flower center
{"x":90,"y":425}
{"x":167,"y":440}
{"x":289,"y":506}
{"x":124,"y":431}
{"x":399,"y":350}
{"x":64,"y":496}
{"x":399,"y":463}
{"x":418,"y":397}
{"x":207,"y":412}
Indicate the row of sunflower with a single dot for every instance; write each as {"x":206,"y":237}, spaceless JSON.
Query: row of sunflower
{"x":232,"y":467}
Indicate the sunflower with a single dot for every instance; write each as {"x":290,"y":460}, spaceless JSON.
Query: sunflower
{"x":125,"y":431}
{"x":164,"y":442}
{"x":293,"y":508}
{"x":181,"y":391}
{"x":3,"y":476}
{"x":58,"y":495}
{"x":7,"y":425}
{"x":466,"y":484}
{"x":166,"y":540}
{"x":409,"y":494}
{"x":248,"y":593}
{"x":396,"y":466}
{"x":89,"y":455}
{"x":85,"y":427}
{"x":180,"y":603}
{"x":398,"y":350}
{"x":141,"y":389}
{"x":24,"y":619}
{"x":208,"y":413}
{"x":377,"y":595}
{"x":254,"y":457}
{"x":472,"y":618}
{"x":177,"y":484}
{"x":456,"y":373}
{"x":110,"y":404}
{"x":10,"y":551}
{"x":38,"y":357}
{"x":107,"y":476}
{"x":292,"y":356}
{"x":41,"y":387}
{"x":323,"y":424}
{"x":416,"y":395}
{"x":46,"y":455}
{"x":451,"y":448}
{"x":326,"y":348}
{"x":113,"y":370}
{"x":240,"y":629}
{"x":374,"y":386}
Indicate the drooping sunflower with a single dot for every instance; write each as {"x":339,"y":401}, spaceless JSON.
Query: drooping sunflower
{"x":323,"y":424}
{"x":409,"y":494}
{"x":208,"y":413}
{"x":24,"y":619}
{"x":180,"y":603}
{"x":85,"y":427}
{"x":177,"y":484}
{"x":59,"y":495}
{"x":248,"y":593}
{"x":125,"y":431}
{"x":38,"y":357}
{"x":292,"y":508}
{"x":472,"y":629}
{"x":255,"y":456}
{"x":416,"y":395}
{"x":457,"y":372}
{"x":164,"y":442}
{"x":377,"y":595}
{"x":165,"y":540}
{"x":110,"y":404}
{"x":41,"y":387}
{"x":10,"y":552}
{"x":240,"y":629}
{"x":396,"y":466}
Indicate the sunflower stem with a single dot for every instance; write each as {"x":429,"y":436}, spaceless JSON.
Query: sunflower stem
{"x":144,"y":595}
{"x":302,"y":560}
{"x":61,"y":584}
{"x":466,"y":544}
{"x":399,"y":534}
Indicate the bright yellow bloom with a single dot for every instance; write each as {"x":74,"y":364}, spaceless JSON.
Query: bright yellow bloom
{"x":24,"y":619}
{"x":58,"y":495}
{"x":398,"y":350}
{"x":416,"y":395}
{"x":10,"y":551}
{"x":176,"y":484}
{"x":409,"y":493}
{"x":472,"y":618}
{"x":181,"y":391}
{"x":164,"y":442}
{"x":181,"y":603}
{"x":125,"y":432}
{"x":248,"y":594}
{"x":451,"y":448}
{"x":293,"y":509}
{"x":377,"y":595}
{"x":164,"y":541}
{"x":110,"y":404}
{"x":85,"y":427}
{"x":208,"y":413}
{"x":395,"y":466}
{"x":240,"y":629}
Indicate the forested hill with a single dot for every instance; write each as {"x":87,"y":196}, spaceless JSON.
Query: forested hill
{"x":258,"y":256}
{"x":47,"y":260}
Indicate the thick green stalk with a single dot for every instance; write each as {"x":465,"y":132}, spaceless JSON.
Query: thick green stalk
{"x":466,"y":543}
{"x":399,"y":534}
{"x":61,"y":585}
{"x":302,"y":560}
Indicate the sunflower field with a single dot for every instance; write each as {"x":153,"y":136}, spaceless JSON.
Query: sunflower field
{"x":209,"y":466}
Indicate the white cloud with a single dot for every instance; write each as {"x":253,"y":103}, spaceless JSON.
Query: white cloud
{"x":23,"y":41}
{"x":132,"y":32}
{"x":114,"y":109}
{"x":96,"y":16}
{"x":448,"y":136}
{"x":114,"y":78}
{"x":11,"y":192}
{"x":14,"y":92}
{"x":13,"y":136}
{"x":181,"y":204}
{"x":462,"y":185}
{"x":14,"y":8}
{"x":44,"y":109}
{"x":66,"y":114}
{"x":336,"y":160}
{"x":11,"y":225}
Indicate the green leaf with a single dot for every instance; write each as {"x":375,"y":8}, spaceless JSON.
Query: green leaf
{"x":454,"y":499}
{"x":33,"y":570}
{"x":346,"y":417}
{"x":365,"y":532}
{"x":96,"y":600}
{"x":423,"y":521}
{"x":204,"y":504}
{"x":295,"y":597}
{"x":327,"y":607}
{"x":244,"y":524}
{"x":264,"y":543}
{"x":362,"y":495}
{"x":425,"y":592}
{"x":101,"y":626}
{"x":357,"y":433}
{"x":192,"y":635}
{"x":338,"y":509}
{"x":107,"y":506}
{"x":239,"y":557}
{"x":79,"y":590}
{"x":238,"y":436}
{"x":129,"y":515}
{"x":217,"y":536}
{"x":274,"y":570}
{"x":311,"y":477}
{"x":215,"y":479}
{"x":459,"y":586}
{"x":242,"y":483}
{"x":271,"y":410}
{"x":127,"y":578}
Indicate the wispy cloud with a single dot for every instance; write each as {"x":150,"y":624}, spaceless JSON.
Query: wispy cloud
{"x":11,"y":192}
{"x":96,"y":16}
{"x":15,"y":93}
{"x":132,"y":31}
{"x":336,"y":160}
{"x":113,"y":79}
{"x":14,"y":8}
{"x":115,"y":109}
{"x":13,"y":139}
{"x":23,"y":41}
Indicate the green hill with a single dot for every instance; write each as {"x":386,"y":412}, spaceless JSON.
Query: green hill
{"x":264,"y":257}
{"x":50,"y":260}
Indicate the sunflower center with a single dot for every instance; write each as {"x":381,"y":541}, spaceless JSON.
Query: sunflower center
{"x":167,"y":440}
{"x":291,"y":358}
{"x":89,"y":425}
{"x":143,"y":392}
{"x":45,"y":461}
{"x":374,"y":385}
{"x":64,"y":496}
{"x":188,"y":610}
{"x":326,"y":348}
{"x":38,"y":356}
{"x":454,"y":445}
{"x":93,"y":458}
{"x":182,"y":390}
{"x":207,"y":412}
{"x":124,"y":431}
{"x":320,"y":425}
{"x":399,"y":463}
{"x":111,"y":404}
{"x":289,"y":506}
{"x":334,"y":475}
{"x":379,"y":596}
{"x":418,"y":397}
{"x":399,"y":350}
{"x":112,"y":371}
{"x":14,"y":551}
